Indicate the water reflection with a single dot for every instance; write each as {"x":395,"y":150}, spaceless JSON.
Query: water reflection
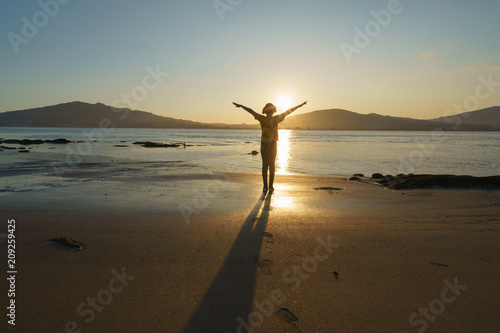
{"x":283,"y":152}
{"x":283,"y":202}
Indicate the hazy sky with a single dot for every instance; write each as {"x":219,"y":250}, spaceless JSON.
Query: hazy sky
{"x":401,"y":58}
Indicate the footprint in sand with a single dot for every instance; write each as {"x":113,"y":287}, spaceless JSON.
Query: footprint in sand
{"x":265,"y":267}
{"x":268,"y":238}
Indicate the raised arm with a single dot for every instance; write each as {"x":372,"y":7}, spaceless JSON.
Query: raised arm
{"x":247,"y":109}
{"x":287,"y":112}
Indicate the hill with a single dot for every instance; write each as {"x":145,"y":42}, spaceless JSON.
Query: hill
{"x":486,"y":119}
{"x":347,"y":120}
{"x":80,"y":114}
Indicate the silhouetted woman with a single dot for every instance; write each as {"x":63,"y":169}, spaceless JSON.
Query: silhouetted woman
{"x":269,"y":138}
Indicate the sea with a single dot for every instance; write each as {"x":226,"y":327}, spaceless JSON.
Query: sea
{"x":317,"y":152}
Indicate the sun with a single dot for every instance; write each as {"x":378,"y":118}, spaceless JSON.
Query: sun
{"x":284,"y":102}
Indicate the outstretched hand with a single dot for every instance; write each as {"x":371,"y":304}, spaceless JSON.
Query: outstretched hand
{"x":302,"y":104}
{"x":237,"y":105}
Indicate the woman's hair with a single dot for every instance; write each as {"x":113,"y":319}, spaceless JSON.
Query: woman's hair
{"x":269,"y":108}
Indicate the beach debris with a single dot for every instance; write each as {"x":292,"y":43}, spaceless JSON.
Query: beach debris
{"x":336,"y":275}
{"x":120,"y":146}
{"x":327,"y":188}
{"x":265,"y":267}
{"x":268,"y":238}
{"x":69,"y":242}
{"x":438,"y":264}
{"x":287,"y":316}
{"x":24,"y":151}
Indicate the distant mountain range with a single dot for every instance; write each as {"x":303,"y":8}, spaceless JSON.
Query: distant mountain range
{"x":80,"y":114}
{"x":484,"y":120}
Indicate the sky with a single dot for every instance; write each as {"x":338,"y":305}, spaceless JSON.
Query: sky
{"x":190,"y":59}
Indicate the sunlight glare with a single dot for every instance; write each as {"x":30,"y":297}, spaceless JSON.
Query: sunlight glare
{"x":283,"y":202}
{"x":284,"y":102}
{"x":283,"y":152}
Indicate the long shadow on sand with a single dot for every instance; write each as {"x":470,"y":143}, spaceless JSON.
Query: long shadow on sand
{"x":231,"y":293}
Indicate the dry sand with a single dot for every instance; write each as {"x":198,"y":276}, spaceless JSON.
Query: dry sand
{"x":208,"y":253}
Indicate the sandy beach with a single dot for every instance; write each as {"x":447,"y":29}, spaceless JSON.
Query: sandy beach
{"x":194,"y":251}
{"x":235,"y":166}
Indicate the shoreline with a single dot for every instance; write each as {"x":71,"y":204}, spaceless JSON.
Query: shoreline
{"x":343,"y":153}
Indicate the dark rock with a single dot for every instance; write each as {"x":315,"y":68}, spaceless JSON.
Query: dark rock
{"x":354,"y":178}
{"x":120,"y":146}
{"x":27,"y":142}
{"x":24,"y":142}
{"x":6,"y":147}
{"x":384,"y":181}
{"x":58,"y":141}
{"x":254,"y":152}
{"x":358,"y":175}
{"x":149,"y":144}
{"x":377,"y":176}
{"x":443,"y":181}
{"x":24,"y":151}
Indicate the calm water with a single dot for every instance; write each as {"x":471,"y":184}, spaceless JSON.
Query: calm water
{"x":302,"y":152}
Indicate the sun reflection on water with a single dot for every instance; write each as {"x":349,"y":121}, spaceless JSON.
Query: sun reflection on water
{"x":283,"y":152}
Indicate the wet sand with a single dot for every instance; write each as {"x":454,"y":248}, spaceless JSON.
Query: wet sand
{"x":171,"y":250}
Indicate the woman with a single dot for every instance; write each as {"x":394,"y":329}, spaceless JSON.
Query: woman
{"x":269,"y":138}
